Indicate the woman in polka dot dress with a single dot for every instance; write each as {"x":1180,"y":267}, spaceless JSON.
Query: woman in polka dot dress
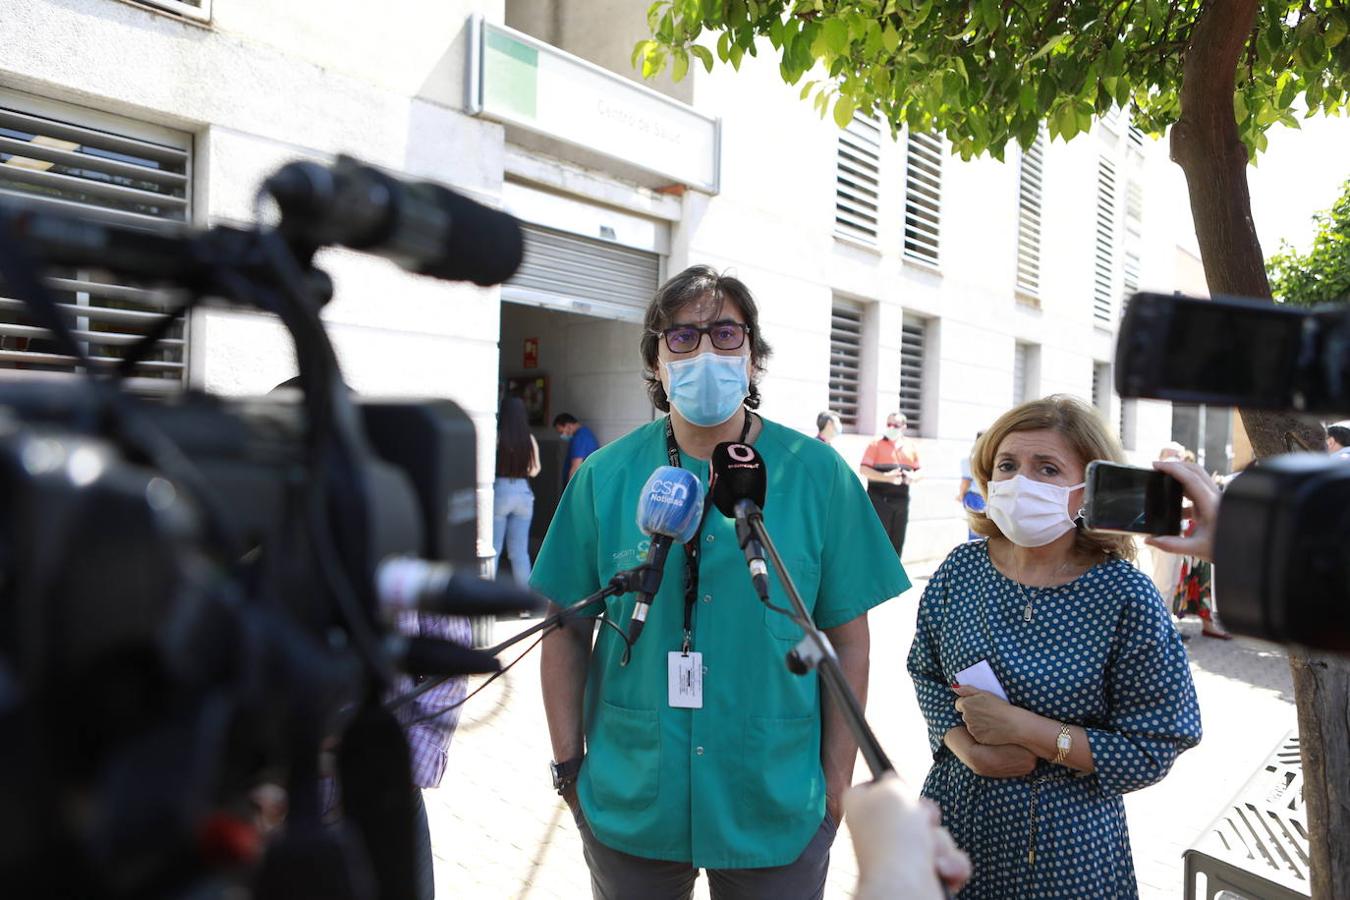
{"x":1099,"y":697}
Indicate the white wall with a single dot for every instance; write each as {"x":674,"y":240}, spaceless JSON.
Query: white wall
{"x":269,"y":82}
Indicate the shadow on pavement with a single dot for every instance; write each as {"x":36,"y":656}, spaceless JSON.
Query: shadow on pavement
{"x":1248,"y":660}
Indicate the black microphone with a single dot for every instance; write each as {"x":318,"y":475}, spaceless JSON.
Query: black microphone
{"x":670,"y":510}
{"x":421,"y":226}
{"x":405,"y":583}
{"x":738,"y":487}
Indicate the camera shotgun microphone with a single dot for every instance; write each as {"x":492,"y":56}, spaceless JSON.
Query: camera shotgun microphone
{"x":670,"y":510}
{"x":406,"y":584}
{"x":738,"y":488}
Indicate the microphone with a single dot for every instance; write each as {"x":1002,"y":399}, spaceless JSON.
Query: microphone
{"x":406,"y":584}
{"x":421,"y":226}
{"x":738,"y":487}
{"x":670,"y":510}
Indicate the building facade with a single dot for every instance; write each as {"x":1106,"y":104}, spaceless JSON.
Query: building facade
{"x":890,"y":274}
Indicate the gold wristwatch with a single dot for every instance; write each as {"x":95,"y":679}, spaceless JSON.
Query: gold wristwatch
{"x":1063,"y":743}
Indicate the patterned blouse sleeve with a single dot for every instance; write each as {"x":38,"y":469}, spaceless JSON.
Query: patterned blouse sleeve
{"x":925,"y":668}
{"x":1152,"y":712}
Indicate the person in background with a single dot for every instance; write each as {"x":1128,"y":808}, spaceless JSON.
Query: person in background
{"x":1338,"y":440}
{"x":828,"y":426}
{"x":581,"y":442}
{"x":890,"y":466}
{"x":968,"y":495}
{"x":1193,"y":593}
{"x":1100,"y":700}
{"x":512,"y":499}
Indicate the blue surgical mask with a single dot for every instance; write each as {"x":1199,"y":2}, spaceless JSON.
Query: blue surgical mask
{"x":566,"y":437}
{"x":708,"y":389}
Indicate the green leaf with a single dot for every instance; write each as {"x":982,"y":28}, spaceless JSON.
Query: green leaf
{"x":989,"y":12}
{"x":890,"y":38}
{"x":960,"y":65}
{"x":806,"y":89}
{"x":640,"y":50}
{"x":680,"y":67}
{"x":1239,"y":107}
{"x":1050,"y":46}
{"x":654,"y":14}
{"x":737,"y":51}
{"x":833,"y":36}
{"x":1337,"y":27}
{"x":843,"y":110}
{"x":704,"y":55}
{"x":654,"y":62}
{"x":724,"y":46}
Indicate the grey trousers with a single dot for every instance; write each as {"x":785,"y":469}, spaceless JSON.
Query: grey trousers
{"x":616,"y":875}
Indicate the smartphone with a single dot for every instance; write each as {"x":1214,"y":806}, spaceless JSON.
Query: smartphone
{"x":1131,"y":500}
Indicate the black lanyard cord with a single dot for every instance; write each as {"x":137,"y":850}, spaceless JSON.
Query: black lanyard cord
{"x":691,"y":548}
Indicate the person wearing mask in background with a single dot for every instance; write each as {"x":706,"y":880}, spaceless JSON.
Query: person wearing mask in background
{"x":967,"y":494}
{"x":1100,"y":699}
{"x":581,"y":442}
{"x":743,"y":778}
{"x":512,"y":499}
{"x":1338,"y":440}
{"x":890,"y":466}
{"x":828,"y":426}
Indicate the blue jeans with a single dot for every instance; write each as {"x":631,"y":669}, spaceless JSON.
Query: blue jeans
{"x":512,"y":510}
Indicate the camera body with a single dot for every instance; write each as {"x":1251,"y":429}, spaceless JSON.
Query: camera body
{"x":1280,"y":558}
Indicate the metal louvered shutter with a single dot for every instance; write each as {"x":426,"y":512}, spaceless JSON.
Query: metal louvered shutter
{"x":1030,"y":180}
{"x":923,"y":197}
{"x":1019,"y":374}
{"x":583,"y":275}
{"x":913,"y":344}
{"x":1104,"y":268}
{"x":857,"y":190}
{"x":846,"y":360}
{"x":52,"y":156}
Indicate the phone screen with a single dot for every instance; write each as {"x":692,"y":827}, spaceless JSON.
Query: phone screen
{"x":1126,"y":498}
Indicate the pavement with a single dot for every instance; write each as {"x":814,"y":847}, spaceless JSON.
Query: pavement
{"x":499,"y":830}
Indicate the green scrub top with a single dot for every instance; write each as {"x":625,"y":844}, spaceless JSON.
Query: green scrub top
{"x":737,"y":783}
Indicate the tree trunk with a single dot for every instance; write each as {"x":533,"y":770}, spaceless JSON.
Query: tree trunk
{"x":1205,"y":144}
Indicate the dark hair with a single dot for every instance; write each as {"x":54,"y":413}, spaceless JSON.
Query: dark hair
{"x":826,"y":418}
{"x":562,"y":419}
{"x":690,"y":286}
{"x":515,"y":453}
{"x":1340,"y":434}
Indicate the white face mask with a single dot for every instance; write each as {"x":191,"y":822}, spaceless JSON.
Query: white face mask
{"x":1030,"y":513}
{"x":893,"y":433}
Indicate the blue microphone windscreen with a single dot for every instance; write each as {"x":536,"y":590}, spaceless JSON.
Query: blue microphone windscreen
{"x":671,"y":504}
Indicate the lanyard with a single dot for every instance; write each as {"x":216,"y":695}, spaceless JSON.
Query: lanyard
{"x":691,"y":551}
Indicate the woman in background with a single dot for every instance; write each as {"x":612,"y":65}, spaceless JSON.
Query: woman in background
{"x":512,"y":499}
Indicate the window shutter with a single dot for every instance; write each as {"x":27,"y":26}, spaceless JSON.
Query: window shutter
{"x":595,"y":276}
{"x":913,"y":346}
{"x":846,"y":360}
{"x":61,"y":158}
{"x":1029,"y":185}
{"x":923,"y":197}
{"x":1104,"y":268}
{"x":858,"y":180}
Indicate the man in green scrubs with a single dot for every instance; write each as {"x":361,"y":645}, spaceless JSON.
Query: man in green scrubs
{"x":744,"y":776}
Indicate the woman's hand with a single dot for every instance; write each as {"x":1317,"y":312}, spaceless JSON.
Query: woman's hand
{"x":1200,"y":490}
{"x":1000,"y":760}
{"x":989,"y":720}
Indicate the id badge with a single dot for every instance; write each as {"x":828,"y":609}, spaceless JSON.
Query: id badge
{"x":686,"y":679}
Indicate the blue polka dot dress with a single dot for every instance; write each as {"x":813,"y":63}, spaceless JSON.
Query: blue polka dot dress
{"x":1099,"y":652}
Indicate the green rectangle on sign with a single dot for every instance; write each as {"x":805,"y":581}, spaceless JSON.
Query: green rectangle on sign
{"x":510,"y":75}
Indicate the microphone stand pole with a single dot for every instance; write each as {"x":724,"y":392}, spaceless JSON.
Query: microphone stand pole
{"x":816,"y":652}
{"x":621,"y":583}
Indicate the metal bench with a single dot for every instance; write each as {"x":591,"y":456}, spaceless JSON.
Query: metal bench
{"x":1257,"y":849}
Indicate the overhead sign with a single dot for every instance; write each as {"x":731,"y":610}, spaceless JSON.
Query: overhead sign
{"x":516,"y":79}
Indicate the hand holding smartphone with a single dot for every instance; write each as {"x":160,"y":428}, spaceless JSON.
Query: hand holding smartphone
{"x":1131,"y":500}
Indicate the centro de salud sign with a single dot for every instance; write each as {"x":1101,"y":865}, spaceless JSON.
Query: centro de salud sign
{"x":516,"y":79}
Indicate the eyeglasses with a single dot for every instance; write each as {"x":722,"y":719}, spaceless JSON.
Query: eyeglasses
{"x":724,"y":336}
